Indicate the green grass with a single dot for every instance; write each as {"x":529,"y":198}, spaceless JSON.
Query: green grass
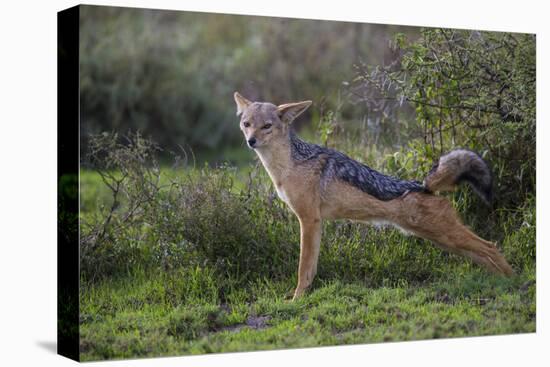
{"x":209,"y":266}
{"x":147,"y":315}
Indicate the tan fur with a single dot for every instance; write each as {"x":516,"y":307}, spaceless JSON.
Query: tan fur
{"x":425,"y":215}
{"x":441,"y":180}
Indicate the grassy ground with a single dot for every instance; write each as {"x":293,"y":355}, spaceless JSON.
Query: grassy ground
{"x":143,"y":316}
{"x":374,"y":285}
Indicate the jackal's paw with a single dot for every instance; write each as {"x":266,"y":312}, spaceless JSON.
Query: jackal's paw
{"x":289,"y":295}
{"x":299,"y":292}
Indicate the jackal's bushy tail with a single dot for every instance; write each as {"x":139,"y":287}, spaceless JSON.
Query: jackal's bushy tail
{"x":458,"y":166}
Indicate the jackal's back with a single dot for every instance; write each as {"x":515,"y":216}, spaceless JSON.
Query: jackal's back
{"x":339,"y":166}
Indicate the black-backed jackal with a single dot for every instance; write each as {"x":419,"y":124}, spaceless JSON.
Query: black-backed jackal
{"x":319,"y":183}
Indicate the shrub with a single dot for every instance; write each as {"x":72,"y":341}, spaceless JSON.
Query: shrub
{"x":469,"y":89}
{"x":196,"y":217}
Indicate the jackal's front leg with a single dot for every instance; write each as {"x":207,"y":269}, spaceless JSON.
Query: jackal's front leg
{"x":310,"y":241}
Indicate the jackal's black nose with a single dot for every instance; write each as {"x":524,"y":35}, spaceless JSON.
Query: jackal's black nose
{"x":251,"y":142}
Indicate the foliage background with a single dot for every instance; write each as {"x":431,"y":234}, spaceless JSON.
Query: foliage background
{"x":172,"y":75}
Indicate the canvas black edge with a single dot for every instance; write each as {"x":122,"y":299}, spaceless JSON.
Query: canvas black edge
{"x":68,"y":122}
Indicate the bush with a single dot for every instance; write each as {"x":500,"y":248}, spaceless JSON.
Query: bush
{"x":197,"y":217}
{"x":469,"y":89}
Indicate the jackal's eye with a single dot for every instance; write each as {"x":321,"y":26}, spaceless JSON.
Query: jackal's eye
{"x":267,"y":126}
{"x":246,"y":124}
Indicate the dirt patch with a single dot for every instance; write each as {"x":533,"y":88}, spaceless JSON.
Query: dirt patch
{"x":257,"y":322}
{"x":252,"y":322}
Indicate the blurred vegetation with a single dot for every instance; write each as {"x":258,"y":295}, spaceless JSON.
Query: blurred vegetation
{"x":171,"y":75}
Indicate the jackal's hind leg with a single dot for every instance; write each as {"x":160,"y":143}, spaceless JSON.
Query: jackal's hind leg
{"x":464,"y":242}
{"x":433,"y":218}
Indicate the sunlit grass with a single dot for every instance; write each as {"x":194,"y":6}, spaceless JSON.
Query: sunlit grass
{"x":145,"y":316}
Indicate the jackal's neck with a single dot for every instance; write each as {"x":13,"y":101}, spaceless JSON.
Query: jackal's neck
{"x":277,"y":157}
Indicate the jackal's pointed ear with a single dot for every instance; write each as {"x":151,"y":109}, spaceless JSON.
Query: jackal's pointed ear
{"x":242,"y":103}
{"x":289,"y":111}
